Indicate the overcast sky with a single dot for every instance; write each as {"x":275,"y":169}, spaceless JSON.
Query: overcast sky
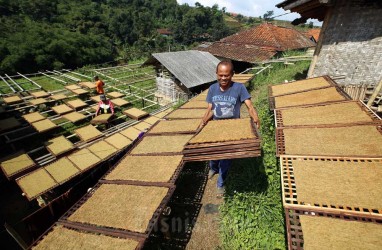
{"x":253,"y":8}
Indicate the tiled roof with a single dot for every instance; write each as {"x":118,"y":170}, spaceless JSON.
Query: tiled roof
{"x":269,"y":35}
{"x":315,"y":33}
{"x":239,"y":52}
{"x":258,"y":44}
{"x":164,"y":31}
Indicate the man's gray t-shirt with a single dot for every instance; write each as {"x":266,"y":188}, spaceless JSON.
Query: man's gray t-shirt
{"x":226,"y":104}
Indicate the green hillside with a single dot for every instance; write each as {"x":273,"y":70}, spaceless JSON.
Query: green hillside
{"x":56,"y":34}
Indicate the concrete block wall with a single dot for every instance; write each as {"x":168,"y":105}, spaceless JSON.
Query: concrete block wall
{"x":352,"y":43}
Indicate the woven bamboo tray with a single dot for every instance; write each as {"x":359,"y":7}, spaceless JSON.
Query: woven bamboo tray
{"x":160,"y":145}
{"x":350,"y":141}
{"x":72,"y":87}
{"x":36,"y":183}
{"x":315,"y":96}
{"x":115,"y":94}
{"x":64,"y":237}
{"x":84,"y":159}
{"x":62,"y":109}
{"x":89,"y":85}
{"x":142,"y":126}
{"x":74,"y":116}
{"x":151,"y":120}
{"x":186,"y":114}
{"x":132,"y":210}
{"x":59,"y":145}
{"x":234,"y":130}
{"x":44,"y":125}
{"x":9,"y":123}
{"x":195,"y":105}
{"x":95,"y":98}
{"x":33,"y":117}
{"x":88,"y":133}
{"x":153,"y":169}
{"x":12,"y":99}
{"x":119,"y":102}
{"x":40,"y":94}
{"x":239,"y":139}
{"x":180,"y":126}
{"x":333,"y":114}
{"x":14,"y":164}
{"x":163,"y":113}
{"x":76,"y":104}
{"x":135,"y":113}
{"x":62,"y":170}
{"x":201,"y":97}
{"x":301,"y":85}
{"x":118,"y":141}
{"x":131,"y":133}
{"x":58,"y":97}
{"x":79,"y":91}
{"x":223,"y":156}
{"x":349,"y":185}
{"x":307,"y":229}
{"x":103,"y":150}
{"x":101,"y":119}
{"x":38,"y":101}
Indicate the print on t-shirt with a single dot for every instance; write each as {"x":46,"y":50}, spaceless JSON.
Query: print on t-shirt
{"x":104,"y":107}
{"x":223,"y":106}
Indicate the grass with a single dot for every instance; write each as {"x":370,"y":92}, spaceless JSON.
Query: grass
{"x":252,"y":214}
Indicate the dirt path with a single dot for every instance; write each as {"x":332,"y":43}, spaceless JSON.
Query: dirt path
{"x":205,"y":234}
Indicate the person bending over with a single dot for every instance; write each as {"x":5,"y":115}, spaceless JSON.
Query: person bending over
{"x":105,"y":106}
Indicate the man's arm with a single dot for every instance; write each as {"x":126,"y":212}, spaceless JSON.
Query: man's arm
{"x":111,"y":107}
{"x":98,"y":108}
{"x":252,"y":112}
{"x":207,"y":116}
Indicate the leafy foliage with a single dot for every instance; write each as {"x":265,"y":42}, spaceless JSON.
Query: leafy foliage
{"x":252,"y":214}
{"x":54,"y":34}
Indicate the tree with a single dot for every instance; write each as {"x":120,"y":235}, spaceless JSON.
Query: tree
{"x":268,"y":15}
{"x":48,"y":34}
{"x":240,"y":17}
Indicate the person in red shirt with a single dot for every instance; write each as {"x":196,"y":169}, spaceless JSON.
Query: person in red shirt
{"x":99,"y":85}
{"x":104,"y":106}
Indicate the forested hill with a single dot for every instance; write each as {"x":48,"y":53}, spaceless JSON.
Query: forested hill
{"x":54,"y":34}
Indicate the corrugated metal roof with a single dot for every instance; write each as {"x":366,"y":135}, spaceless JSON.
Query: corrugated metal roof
{"x":192,"y":67}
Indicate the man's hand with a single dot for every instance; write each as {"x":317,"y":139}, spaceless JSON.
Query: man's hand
{"x":257,"y":122}
{"x":252,"y":112}
{"x":201,"y":125}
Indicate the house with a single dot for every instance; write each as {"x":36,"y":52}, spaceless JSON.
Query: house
{"x":313,"y":34}
{"x":349,"y":45}
{"x":257,"y":44}
{"x":164,"y":32}
{"x":182,"y":73}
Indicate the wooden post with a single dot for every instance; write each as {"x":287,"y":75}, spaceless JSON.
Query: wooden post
{"x":319,"y":43}
{"x":375,"y":93}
